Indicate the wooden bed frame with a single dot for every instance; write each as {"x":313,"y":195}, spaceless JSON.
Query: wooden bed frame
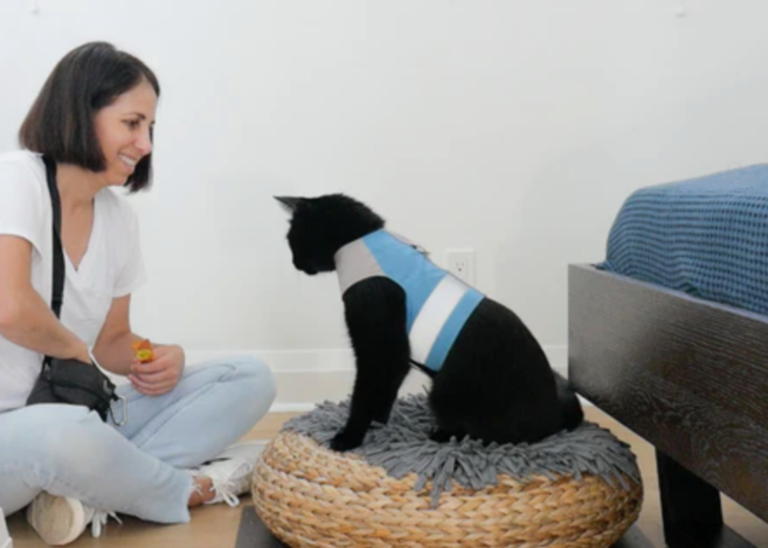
{"x":690,"y":377}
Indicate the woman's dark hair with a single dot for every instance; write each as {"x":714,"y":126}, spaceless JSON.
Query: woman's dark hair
{"x":60,"y":122}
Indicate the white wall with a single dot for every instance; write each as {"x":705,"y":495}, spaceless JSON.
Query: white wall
{"x":515,"y":128}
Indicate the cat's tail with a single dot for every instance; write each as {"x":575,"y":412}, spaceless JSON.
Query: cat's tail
{"x":573,"y":414}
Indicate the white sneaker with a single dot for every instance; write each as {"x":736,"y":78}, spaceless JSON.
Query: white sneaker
{"x":5,"y":539}
{"x":231,"y":471}
{"x":61,"y":520}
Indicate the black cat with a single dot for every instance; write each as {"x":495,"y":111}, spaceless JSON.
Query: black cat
{"x":490,"y":377}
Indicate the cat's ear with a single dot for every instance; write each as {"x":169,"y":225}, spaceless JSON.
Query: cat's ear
{"x":289,"y":203}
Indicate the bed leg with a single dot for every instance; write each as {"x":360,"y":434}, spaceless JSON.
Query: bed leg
{"x":691,"y":510}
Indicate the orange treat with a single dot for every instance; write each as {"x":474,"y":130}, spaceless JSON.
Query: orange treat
{"x":143,"y":350}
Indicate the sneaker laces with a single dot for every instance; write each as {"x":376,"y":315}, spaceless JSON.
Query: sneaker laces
{"x":227,"y":490}
{"x":99,"y":521}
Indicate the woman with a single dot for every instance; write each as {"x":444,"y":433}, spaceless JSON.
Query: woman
{"x":94,"y":119}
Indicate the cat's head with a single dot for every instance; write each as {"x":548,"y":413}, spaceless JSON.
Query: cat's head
{"x":322,"y":225}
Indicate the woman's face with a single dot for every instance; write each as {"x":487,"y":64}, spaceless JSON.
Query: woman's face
{"x":123,"y":130}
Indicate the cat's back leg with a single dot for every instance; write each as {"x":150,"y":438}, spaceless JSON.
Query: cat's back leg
{"x":496,"y":383}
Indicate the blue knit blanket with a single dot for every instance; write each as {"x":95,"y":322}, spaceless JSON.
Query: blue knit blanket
{"x":707,"y":237}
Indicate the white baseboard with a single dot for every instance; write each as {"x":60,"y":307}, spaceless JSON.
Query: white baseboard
{"x":307,"y":377}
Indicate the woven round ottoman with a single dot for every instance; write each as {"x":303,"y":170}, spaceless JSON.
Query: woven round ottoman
{"x":458,"y":494}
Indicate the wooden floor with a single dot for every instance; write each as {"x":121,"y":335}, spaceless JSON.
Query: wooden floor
{"x":216,"y":526}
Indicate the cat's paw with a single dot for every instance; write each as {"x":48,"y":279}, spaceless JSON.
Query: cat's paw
{"x":344,"y":442}
{"x":442,"y":436}
{"x":381,"y":418}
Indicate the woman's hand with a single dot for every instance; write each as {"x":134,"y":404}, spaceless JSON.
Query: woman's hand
{"x":161,"y":374}
{"x":81,"y":353}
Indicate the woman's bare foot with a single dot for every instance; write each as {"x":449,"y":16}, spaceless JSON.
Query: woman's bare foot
{"x":202,"y":491}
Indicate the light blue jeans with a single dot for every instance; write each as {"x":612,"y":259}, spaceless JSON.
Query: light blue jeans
{"x":136,"y":469}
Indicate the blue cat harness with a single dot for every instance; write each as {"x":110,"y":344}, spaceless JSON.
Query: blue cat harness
{"x":437,"y":303}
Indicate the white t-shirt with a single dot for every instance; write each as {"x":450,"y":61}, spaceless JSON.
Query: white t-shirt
{"x":111,"y":267}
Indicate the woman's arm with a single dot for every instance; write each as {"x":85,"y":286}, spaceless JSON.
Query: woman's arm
{"x":25,"y":318}
{"x":113,"y":347}
{"x":114,"y":353}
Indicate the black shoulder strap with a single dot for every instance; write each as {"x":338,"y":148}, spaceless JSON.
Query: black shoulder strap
{"x":58,"y":255}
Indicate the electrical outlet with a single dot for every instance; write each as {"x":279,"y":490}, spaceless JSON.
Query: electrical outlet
{"x":461,"y":263}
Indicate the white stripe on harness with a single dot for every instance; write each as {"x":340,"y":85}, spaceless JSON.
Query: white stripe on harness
{"x":433,"y":315}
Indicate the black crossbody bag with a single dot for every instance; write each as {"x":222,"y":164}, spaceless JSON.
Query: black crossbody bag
{"x":68,"y":380}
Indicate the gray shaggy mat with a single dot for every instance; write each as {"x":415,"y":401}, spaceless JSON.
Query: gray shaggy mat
{"x":403,"y":446}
